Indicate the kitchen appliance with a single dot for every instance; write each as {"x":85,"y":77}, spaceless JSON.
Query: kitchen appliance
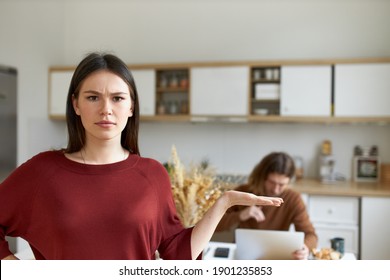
{"x":327,"y":163}
{"x":366,"y":164}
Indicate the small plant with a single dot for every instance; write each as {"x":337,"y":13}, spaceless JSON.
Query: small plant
{"x":194,"y":190}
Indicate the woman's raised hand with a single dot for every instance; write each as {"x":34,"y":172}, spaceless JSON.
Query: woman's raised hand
{"x":249,"y":199}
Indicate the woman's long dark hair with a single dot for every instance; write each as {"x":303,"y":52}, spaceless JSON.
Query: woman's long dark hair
{"x":275,"y":162}
{"x":90,"y":64}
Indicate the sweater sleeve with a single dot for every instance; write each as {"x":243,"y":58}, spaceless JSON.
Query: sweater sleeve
{"x":16,"y":198}
{"x":302,"y":223}
{"x":175,"y":241}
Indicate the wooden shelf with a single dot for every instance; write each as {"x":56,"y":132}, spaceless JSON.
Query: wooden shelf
{"x":172,"y":89}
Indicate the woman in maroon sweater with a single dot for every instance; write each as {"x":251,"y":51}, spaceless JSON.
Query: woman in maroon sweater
{"x":98,"y":198}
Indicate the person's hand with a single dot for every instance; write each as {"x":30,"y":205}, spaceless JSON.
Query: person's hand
{"x":302,"y":254}
{"x":252,"y":212}
{"x":249,"y":199}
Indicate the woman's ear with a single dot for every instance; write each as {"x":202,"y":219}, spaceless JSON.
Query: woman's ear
{"x":75,"y":105}
{"x":131,"y":112}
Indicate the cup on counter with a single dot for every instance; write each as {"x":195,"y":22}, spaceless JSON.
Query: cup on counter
{"x":337,"y":244}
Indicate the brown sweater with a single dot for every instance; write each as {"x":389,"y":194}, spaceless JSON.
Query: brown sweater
{"x":293,"y":211}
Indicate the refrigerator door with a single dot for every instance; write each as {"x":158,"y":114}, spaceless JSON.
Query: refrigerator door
{"x":8,"y":125}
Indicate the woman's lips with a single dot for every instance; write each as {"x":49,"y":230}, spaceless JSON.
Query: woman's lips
{"x":105,"y":124}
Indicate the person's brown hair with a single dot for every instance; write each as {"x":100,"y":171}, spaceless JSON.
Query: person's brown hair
{"x":90,"y":64}
{"x":275,"y":162}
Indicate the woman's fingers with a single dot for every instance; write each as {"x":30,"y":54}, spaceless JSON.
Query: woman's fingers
{"x":248,"y":199}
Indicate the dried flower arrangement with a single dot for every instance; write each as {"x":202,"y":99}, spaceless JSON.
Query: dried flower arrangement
{"x":194,"y":190}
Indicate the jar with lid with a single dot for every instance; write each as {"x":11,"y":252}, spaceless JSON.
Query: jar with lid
{"x":173,"y":107}
{"x":161,"y":108}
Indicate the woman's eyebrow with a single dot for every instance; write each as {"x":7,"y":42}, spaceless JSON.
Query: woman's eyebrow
{"x":99,"y":93}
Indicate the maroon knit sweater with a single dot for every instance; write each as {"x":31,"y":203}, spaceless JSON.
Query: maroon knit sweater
{"x":69,"y":210}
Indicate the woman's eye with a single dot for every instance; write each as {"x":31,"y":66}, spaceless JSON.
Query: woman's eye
{"x":92,"y":98}
{"x":118,"y":98}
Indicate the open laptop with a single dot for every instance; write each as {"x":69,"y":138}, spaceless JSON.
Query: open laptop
{"x":255,"y":244}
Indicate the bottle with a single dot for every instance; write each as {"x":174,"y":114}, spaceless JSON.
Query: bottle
{"x":173,"y":107}
{"x":161,"y":108}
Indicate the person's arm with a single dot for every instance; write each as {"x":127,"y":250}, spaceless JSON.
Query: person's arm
{"x":302,"y":223}
{"x":10,"y":257}
{"x":205,"y":228}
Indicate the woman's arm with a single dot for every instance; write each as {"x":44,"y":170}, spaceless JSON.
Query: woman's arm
{"x":10,"y":257}
{"x":205,"y":228}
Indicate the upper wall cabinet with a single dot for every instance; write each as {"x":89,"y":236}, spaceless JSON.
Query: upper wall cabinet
{"x":306,"y":91}
{"x":362,"y":90}
{"x":145,"y":81}
{"x":219,"y":91}
{"x":59,"y":81}
{"x":269,"y":91}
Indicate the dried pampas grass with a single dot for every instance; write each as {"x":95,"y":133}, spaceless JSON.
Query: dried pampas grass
{"x":194,"y":190}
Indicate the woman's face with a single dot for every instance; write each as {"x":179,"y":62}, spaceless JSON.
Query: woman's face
{"x":275,"y":184}
{"x":104,"y":106}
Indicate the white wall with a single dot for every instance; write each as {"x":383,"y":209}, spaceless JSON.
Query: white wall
{"x":36,"y":34}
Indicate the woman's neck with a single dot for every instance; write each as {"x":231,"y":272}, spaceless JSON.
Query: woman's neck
{"x":102,"y":154}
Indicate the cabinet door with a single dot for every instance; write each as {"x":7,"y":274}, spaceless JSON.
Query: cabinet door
{"x":58,"y":91}
{"x":362,"y":90}
{"x":145,"y":81}
{"x":375,"y":241}
{"x":334,"y":209}
{"x":219,"y":91}
{"x":306,"y":91}
{"x":326,"y":232}
{"x":335,"y":216}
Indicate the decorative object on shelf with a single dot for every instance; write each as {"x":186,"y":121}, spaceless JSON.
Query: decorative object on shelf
{"x":267,"y":91}
{"x":163,"y":81}
{"x":269,"y":74}
{"x":161,"y":108}
{"x":194,"y":190}
{"x":184,"y":107}
{"x":275,"y":74}
{"x":184,"y":82}
{"x":173,"y":107}
{"x":174,"y":82}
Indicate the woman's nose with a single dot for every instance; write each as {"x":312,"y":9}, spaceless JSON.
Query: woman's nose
{"x":106,"y":107}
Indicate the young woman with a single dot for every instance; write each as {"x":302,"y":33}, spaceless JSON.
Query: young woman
{"x":271,"y":177}
{"x":98,"y":198}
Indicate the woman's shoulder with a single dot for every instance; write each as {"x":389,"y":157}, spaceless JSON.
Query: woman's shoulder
{"x":149,"y":165}
{"x":44,"y":157}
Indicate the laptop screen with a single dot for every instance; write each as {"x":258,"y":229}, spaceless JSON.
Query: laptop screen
{"x":254,"y":244}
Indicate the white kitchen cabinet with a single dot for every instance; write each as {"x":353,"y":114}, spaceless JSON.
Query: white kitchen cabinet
{"x":362,"y":90}
{"x":306,"y":90}
{"x":219,"y":91}
{"x":375,"y":232}
{"x":58,"y":91}
{"x":145,"y":81}
{"x":334,"y":216}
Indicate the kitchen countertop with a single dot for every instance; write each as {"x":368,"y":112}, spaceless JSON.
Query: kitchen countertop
{"x":315,"y":187}
{"x":342,"y":188}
